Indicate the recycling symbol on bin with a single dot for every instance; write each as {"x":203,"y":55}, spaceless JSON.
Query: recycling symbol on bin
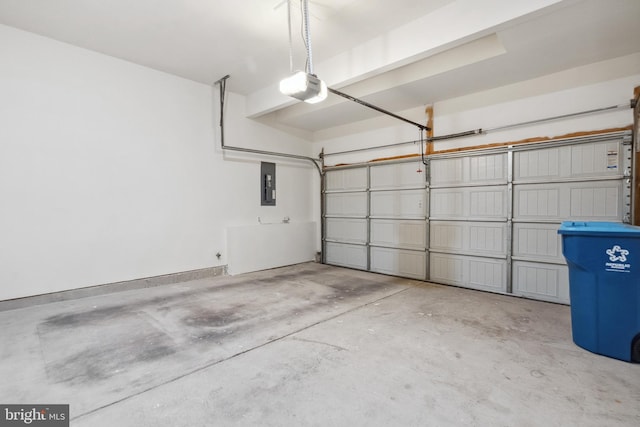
{"x":617,"y":254}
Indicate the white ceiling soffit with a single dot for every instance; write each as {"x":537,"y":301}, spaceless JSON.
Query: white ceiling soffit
{"x":388,"y":87}
{"x":567,"y":36}
{"x":444,"y":28}
{"x":399,"y":54}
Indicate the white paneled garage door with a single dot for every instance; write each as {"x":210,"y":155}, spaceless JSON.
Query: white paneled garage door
{"x":469,"y":212}
{"x":398,"y":227}
{"x":346,"y":218}
{"x":556,"y":182}
{"x":484,"y":219}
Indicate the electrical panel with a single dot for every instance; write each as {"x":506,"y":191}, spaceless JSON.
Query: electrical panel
{"x":267,"y":184}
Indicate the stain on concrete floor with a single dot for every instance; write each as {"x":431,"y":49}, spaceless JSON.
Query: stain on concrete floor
{"x":109,"y":343}
{"x":311,"y":345}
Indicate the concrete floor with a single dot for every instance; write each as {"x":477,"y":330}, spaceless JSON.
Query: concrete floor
{"x":311,"y":345}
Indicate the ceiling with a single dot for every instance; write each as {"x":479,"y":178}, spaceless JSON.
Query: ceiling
{"x":399,"y":54}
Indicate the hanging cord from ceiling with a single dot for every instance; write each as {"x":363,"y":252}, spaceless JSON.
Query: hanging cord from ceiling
{"x":424,"y":161}
{"x":290,"y":37}
{"x":306,"y":36}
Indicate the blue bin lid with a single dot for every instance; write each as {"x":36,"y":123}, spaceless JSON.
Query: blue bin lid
{"x":596,"y":228}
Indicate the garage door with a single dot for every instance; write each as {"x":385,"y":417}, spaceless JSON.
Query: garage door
{"x":398,"y":226}
{"x":346,"y":218}
{"x":484,"y":219}
{"x":586,"y":181}
{"x":469,"y":221}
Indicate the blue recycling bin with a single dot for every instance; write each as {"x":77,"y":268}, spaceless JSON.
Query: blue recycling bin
{"x":604,"y":286}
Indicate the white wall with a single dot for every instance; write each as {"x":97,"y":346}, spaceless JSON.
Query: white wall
{"x":254,"y":245}
{"x":110,"y":171}
{"x":584,"y":88}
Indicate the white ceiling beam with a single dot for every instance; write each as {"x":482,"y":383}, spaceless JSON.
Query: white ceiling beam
{"x":442,"y":29}
{"x":469,"y":53}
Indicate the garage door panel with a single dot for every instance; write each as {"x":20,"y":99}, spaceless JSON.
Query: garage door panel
{"x":346,"y":204}
{"x":588,"y":201}
{"x":446,"y":203}
{"x":347,"y":230}
{"x":541,"y":165}
{"x":578,"y":161}
{"x":537,"y":242}
{"x":447,"y":171}
{"x":396,"y":176}
{"x":469,"y":203}
{"x":470,"y":272}
{"x":547,"y":282}
{"x":448,"y":269}
{"x":488,"y":169}
{"x":399,"y":204}
{"x":488,"y":274}
{"x":399,"y":233}
{"x":353,"y":256}
{"x":470,"y":170}
{"x":480,"y":238}
{"x":399,"y":262}
{"x":488,"y":203}
{"x":346,"y":179}
{"x":596,"y":202}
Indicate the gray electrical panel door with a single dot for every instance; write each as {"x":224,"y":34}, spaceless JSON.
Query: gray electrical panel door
{"x":267,"y":184}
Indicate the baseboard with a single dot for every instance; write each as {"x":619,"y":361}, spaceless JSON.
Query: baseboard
{"x":147,"y":282}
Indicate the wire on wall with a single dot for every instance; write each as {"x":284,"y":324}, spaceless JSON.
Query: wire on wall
{"x":223,"y":87}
